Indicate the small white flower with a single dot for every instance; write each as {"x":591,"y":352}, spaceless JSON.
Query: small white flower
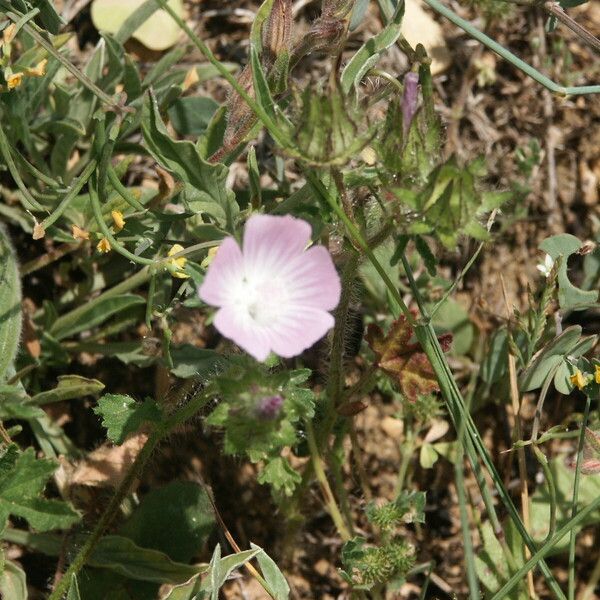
{"x":545,"y":268}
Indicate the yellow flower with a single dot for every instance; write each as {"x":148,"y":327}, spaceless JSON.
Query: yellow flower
{"x":39,"y":70}
{"x":178,"y":263}
{"x":578,"y":379}
{"x":103,"y":246}
{"x":8,"y":35}
{"x":212,"y":252}
{"x":597,"y":374}
{"x":118,"y":220}
{"x":14,"y":81}
{"x":79,"y":233}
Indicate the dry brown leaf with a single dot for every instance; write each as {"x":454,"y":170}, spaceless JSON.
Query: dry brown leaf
{"x":107,"y":465}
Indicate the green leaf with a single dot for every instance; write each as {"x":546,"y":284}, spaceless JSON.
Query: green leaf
{"x":427,"y":456}
{"x":95,"y":314}
{"x":191,"y":361}
{"x":549,"y":358}
{"x":138,"y":18}
{"x":494,"y":365}
{"x":10,"y":304}
{"x":73,"y":593}
{"x":22,"y":480}
{"x":122,"y":415}
{"x":221,"y":568}
{"x":13,"y":584}
{"x":68,"y":388}
{"x":569,"y":297}
{"x":206,"y":190}
{"x":272,"y":574}
{"x":123,"y":556}
{"x":369,"y":53}
{"x":280,"y":475}
{"x":191,"y":115}
{"x":261,"y":86}
{"x":175,"y":519}
{"x":490,"y":564}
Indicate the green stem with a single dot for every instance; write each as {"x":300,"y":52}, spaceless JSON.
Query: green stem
{"x":328,"y":496}
{"x":70,"y":195}
{"x":109,"y":514}
{"x":551,"y":489}
{"x":538,"y":556}
{"x":260,"y":112}
{"x":428,"y":339}
{"x":407,"y":449}
{"x":122,"y":190}
{"x":572,"y":539}
{"x":31,"y":202}
{"x":509,"y":56}
{"x":115,"y":245}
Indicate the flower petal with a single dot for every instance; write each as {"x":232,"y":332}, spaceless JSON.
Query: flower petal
{"x":270,"y":242}
{"x":299,"y":330}
{"x":224,"y":274}
{"x":312,"y":281}
{"x":240,"y":328}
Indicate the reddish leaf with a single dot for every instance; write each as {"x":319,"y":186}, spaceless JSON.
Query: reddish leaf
{"x":403,"y":359}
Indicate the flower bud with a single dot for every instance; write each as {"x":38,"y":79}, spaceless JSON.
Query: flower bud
{"x":268,"y":407}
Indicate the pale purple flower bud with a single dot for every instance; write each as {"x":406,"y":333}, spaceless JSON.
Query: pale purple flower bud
{"x":409,"y":99}
{"x":268,"y":408}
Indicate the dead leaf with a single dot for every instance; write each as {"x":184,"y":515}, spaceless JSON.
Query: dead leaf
{"x":403,"y":359}
{"x":107,"y":465}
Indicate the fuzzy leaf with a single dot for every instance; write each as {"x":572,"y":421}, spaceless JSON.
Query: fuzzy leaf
{"x":10,"y":304}
{"x":122,"y":415}
{"x":22,"y":481}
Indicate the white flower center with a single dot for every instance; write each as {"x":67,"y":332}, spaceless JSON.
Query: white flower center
{"x":264,"y":301}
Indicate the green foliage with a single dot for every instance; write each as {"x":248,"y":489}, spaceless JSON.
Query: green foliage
{"x":122,"y":415}
{"x":408,"y":507}
{"x":22,"y":481}
{"x":367,"y":565}
{"x":255,"y":427}
{"x":562,"y":247}
{"x":175,"y":519}
{"x":10,"y":304}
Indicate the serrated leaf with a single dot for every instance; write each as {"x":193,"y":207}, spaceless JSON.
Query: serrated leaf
{"x":404,"y":360}
{"x":122,"y":415}
{"x":22,"y":481}
{"x":10,"y":304}
{"x":280,"y":475}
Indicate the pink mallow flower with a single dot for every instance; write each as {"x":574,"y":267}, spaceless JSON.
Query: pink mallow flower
{"x":274,"y":294}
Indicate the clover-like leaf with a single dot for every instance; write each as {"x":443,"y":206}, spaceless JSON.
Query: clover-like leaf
{"x":122,"y":415}
{"x":403,"y":359}
{"x":562,"y":247}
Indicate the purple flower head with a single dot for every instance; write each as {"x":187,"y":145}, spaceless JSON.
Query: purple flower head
{"x":409,"y":99}
{"x":273,"y":294}
{"x":268,"y":408}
